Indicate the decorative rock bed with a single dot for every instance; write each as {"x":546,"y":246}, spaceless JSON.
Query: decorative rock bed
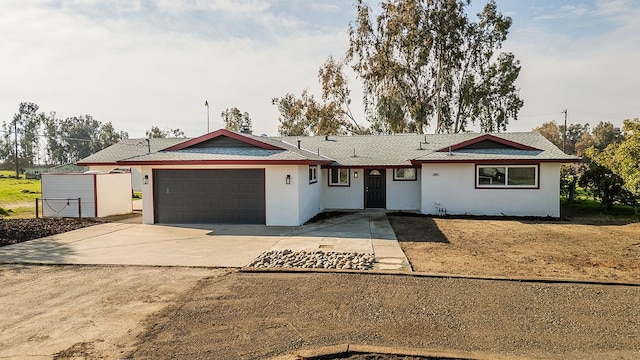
{"x":313,"y":260}
{"x":13,"y":231}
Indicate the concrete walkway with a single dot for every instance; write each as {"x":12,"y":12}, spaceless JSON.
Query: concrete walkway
{"x":119,"y":243}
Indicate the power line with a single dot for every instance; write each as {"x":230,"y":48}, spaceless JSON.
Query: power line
{"x":599,"y":114}
{"x":545,"y":114}
{"x":577,"y":111}
{"x":46,"y":136}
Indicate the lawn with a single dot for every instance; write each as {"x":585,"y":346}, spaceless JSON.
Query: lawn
{"x":17,"y":196}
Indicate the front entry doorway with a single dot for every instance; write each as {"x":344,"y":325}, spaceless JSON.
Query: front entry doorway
{"x":374,"y":188}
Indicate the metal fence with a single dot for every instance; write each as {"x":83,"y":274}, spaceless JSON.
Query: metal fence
{"x":58,"y":205}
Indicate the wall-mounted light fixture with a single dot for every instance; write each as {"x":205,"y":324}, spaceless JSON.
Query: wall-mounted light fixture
{"x":146,"y":179}
{"x":288,"y":179}
{"x":355,"y":174}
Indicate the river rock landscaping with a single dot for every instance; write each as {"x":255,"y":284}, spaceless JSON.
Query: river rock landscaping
{"x":313,"y":260}
{"x":13,"y":231}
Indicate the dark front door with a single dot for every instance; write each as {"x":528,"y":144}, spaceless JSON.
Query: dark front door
{"x":374,"y":188}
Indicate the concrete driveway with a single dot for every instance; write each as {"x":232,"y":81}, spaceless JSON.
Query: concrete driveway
{"x":120,"y":243}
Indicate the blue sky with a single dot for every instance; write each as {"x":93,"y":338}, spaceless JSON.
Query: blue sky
{"x":138,"y":63}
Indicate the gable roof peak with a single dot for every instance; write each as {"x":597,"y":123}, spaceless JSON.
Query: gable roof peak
{"x":487,"y":137}
{"x":245,"y":138}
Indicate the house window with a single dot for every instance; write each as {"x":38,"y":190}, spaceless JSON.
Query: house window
{"x":338,"y":177}
{"x":404,"y":174}
{"x":313,"y":174}
{"x":512,"y":176}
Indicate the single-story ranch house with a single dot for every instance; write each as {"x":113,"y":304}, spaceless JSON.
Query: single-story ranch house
{"x":238,"y":178}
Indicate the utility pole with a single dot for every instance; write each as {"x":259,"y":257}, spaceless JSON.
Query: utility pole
{"x":15,"y":137}
{"x":438,"y":124}
{"x":206,"y":103}
{"x":564,"y":133}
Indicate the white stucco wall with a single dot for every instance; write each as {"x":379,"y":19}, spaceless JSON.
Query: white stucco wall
{"x":286,"y":204}
{"x":403,"y":195}
{"x":113,"y":194}
{"x":136,"y":174}
{"x":102,"y":168}
{"x":281,"y":198}
{"x":310,"y":195}
{"x":452,"y":187}
{"x":68,"y":186}
{"x":344,"y":197}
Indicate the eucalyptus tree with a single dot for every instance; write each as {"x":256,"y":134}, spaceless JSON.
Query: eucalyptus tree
{"x":21,"y":135}
{"x":330,"y":115}
{"x":442,"y":69}
{"x":335,"y":91}
{"x":236,"y":120}
{"x":304,"y":115}
{"x":71,"y":139}
{"x":156,"y":132}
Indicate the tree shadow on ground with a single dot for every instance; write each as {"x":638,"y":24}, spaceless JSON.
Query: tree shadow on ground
{"x":36,"y":252}
{"x":416,"y":228}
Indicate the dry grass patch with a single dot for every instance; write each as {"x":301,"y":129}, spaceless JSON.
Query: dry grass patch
{"x":513,"y":248}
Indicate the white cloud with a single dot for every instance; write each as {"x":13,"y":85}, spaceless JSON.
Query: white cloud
{"x":140,"y":67}
{"x":612,"y":7}
{"x":575,"y":10}
{"x":325,"y":7}
{"x":135,"y":75}
{"x":236,"y":7}
{"x":592,"y":75}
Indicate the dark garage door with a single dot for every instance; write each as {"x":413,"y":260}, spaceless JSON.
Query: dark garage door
{"x":209,"y":196}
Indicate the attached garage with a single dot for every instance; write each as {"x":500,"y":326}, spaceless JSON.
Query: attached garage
{"x":220,"y":196}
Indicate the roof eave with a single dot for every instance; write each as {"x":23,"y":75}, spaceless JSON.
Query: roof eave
{"x":223,"y":162}
{"x":494,"y":161}
{"x":96,"y":163}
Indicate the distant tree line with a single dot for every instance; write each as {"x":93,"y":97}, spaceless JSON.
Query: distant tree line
{"x":42,"y":138}
{"x":46,"y":139}
{"x":610,"y":166}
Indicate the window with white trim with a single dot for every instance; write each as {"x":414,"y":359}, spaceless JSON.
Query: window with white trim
{"x":313,"y":174}
{"x":404,"y":174}
{"x":338,"y":177}
{"x":510,"y":176}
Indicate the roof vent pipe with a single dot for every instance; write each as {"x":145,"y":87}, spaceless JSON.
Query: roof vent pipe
{"x":298,"y":144}
{"x":326,"y":138}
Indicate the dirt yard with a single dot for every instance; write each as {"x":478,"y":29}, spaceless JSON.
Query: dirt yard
{"x":264,"y":315}
{"x":130,"y":312}
{"x":108,"y":312}
{"x":83,"y":312}
{"x":519,"y":248}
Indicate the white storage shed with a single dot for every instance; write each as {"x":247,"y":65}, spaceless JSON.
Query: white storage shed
{"x":100,"y":194}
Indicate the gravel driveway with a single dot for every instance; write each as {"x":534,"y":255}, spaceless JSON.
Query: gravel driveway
{"x":257,"y":316}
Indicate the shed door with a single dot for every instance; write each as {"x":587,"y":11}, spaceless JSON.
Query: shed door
{"x":209,"y":196}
